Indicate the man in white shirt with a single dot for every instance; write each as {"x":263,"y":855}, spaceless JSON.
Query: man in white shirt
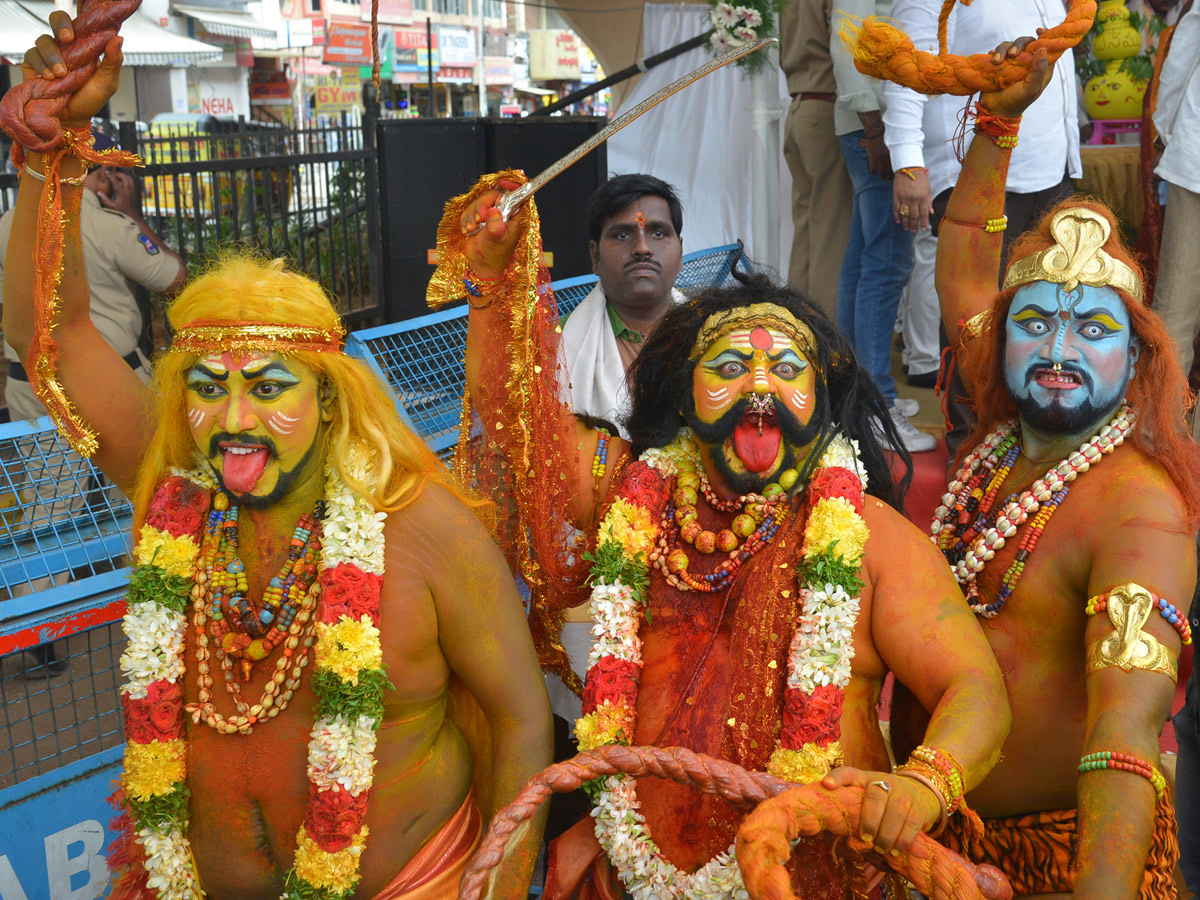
{"x":634,"y":222}
{"x":878,"y":256}
{"x":1177,"y":118}
{"x":920,"y":134}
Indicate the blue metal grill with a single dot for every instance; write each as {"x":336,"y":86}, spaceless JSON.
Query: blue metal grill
{"x":64,"y":533}
{"x":422,"y":359}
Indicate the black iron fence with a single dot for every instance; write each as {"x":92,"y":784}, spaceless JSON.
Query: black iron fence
{"x":309,"y":194}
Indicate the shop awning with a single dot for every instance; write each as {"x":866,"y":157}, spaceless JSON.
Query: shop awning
{"x":225,"y":22}
{"x":146,"y":42}
{"x":530,"y":89}
{"x":18,"y":30}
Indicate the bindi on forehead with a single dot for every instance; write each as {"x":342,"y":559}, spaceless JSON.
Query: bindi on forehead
{"x":234,"y":362}
{"x":639,"y":219}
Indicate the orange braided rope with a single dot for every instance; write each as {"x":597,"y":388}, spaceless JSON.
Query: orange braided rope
{"x":935,"y":866}
{"x":763,"y":847}
{"x":29,"y":114}
{"x":883,"y":51}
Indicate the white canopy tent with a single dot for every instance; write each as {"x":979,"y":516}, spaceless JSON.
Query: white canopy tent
{"x":719,"y":142}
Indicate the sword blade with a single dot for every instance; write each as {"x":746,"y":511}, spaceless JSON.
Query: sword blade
{"x":511,"y":200}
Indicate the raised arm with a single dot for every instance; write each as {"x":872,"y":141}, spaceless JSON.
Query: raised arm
{"x":968,"y":257}
{"x":1148,"y":546}
{"x":102,"y":387}
{"x":505,"y":334}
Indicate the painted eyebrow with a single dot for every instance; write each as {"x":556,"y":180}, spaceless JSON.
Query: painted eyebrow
{"x":201,"y":369}
{"x":1102,"y":316}
{"x":1032,"y":311}
{"x":275,"y":369}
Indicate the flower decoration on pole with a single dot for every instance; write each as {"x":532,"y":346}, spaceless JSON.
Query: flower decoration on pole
{"x":734,"y":25}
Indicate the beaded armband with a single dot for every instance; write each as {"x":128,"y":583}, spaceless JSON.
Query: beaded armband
{"x":1127,"y":646}
{"x":993,"y":225}
{"x":1124,"y":762}
{"x":943,"y":769}
{"x":1001,"y":130}
{"x":600,"y":460}
{"x":478,"y":286}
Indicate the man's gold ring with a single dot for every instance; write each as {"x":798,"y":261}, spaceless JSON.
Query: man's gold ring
{"x":903,"y":210}
{"x":883,"y":785}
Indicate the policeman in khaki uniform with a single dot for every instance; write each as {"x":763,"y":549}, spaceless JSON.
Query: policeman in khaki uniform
{"x":120,"y":251}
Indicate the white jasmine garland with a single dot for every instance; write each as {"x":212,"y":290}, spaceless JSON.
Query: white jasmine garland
{"x":341,"y":753}
{"x":154,"y":651}
{"x":169,"y":864}
{"x":614,"y":624}
{"x":842,"y":453}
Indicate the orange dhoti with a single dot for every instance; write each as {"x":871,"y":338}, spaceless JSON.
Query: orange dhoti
{"x":1037,"y":851}
{"x":436,"y":869}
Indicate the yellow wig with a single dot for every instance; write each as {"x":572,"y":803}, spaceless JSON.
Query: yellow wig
{"x":238,"y":288}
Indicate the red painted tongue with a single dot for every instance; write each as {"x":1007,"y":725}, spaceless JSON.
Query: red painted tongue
{"x":241,"y":471}
{"x":757,"y":452}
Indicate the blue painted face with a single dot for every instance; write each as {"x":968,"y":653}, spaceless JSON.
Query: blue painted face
{"x":1068,"y":356}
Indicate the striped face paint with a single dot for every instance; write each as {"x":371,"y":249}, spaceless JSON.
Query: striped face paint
{"x":754,"y":360}
{"x":257,"y":419}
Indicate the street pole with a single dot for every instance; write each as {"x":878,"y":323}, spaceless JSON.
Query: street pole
{"x":432,"y":111}
{"x":483,"y":110}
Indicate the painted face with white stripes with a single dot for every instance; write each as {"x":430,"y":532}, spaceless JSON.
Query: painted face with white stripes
{"x":258,"y":419}
{"x":753,"y":394}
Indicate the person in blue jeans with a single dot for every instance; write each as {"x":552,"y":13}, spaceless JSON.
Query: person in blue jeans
{"x":879,"y":256}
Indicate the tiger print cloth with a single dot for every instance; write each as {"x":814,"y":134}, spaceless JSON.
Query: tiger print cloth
{"x":1036,"y":851}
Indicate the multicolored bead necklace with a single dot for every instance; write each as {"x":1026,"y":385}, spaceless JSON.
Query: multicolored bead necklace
{"x":968,"y":541}
{"x":240,"y":629}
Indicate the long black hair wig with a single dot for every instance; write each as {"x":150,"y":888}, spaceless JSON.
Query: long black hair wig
{"x":847,"y":400}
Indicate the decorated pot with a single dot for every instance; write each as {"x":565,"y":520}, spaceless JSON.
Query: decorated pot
{"x":1114,"y":95}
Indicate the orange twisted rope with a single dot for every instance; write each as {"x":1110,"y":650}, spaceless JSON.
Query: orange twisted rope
{"x":939,"y":868}
{"x":763,"y":847}
{"x":883,"y":51}
{"x":29,"y":111}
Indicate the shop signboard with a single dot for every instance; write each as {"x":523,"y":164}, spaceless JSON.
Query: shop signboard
{"x":391,"y":12}
{"x":412,"y":52}
{"x":269,"y":88}
{"x":300,"y":32}
{"x":347,"y":44}
{"x":456,"y":46}
{"x":338,"y":93}
{"x":497,"y":71}
{"x":318,"y":32}
{"x":553,"y":55}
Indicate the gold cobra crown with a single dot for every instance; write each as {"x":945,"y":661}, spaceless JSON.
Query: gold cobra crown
{"x":1077,"y":257}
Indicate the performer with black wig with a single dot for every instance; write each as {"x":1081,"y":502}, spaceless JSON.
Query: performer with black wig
{"x":751,"y":582}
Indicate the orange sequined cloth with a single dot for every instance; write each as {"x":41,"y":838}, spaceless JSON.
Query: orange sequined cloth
{"x":1037,"y":851}
{"x":436,"y":869}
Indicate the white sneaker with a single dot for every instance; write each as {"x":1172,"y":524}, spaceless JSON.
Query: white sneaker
{"x":907,"y":406}
{"x":914,"y":441}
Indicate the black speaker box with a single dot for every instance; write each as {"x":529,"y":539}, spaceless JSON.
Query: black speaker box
{"x":425,"y":162}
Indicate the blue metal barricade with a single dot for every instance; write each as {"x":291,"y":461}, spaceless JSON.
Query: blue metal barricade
{"x":64,"y":535}
{"x":422,"y":359}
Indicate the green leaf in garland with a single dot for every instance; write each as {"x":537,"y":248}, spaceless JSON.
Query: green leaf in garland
{"x":337,"y":697}
{"x":610,"y":565}
{"x":150,"y":584}
{"x":296,"y":888}
{"x":832,"y":568}
{"x":164,"y":811}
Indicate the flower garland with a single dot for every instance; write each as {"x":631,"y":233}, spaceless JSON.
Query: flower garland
{"x":818,"y":659}
{"x":969,"y":547}
{"x":348,"y":681}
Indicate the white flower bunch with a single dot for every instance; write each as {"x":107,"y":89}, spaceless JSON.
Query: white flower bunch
{"x":341,"y":753}
{"x":733,"y":26}
{"x":622,"y":833}
{"x":353,"y":529}
{"x":823,"y":643}
{"x":665,"y":460}
{"x":843,"y":453}
{"x":614,"y":624}
{"x":169,"y":864}
{"x":155,"y":648}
